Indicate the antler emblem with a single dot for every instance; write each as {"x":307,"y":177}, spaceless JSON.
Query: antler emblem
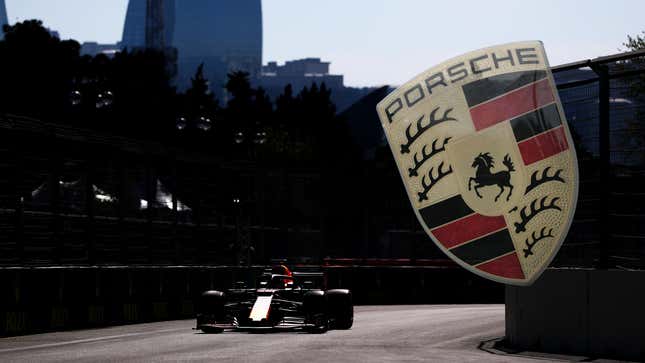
{"x":528,"y":251}
{"x":545,"y":178}
{"x":405,"y":148}
{"x":413,"y":171}
{"x":441,"y":173}
{"x":534,"y":211}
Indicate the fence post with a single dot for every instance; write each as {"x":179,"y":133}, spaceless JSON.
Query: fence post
{"x":605,"y":163}
{"x":89,"y":210}
{"x":174,"y":186}
{"x":122,"y":205}
{"x":54,"y":185}
{"x":18,"y":176}
{"x":151,"y":187}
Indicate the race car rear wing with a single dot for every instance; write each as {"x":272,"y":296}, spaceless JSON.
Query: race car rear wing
{"x":297,"y":274}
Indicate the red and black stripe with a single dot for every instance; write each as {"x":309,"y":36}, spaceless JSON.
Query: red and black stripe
{"x":493,"y":253}
{"x":483,"y":242}
{"x":445,"y":211}
{"x":488,"y":88}
{"x":512,"y":104}
{"x":505,"y":266}
{"x":473,"y":238}
{"x":486,"y":248}
{"x":540,"y":134}
{"x":527,"y":101}
{"x":468,"y":228}
{"x":536,"y":122}
{"x":544,"y":145}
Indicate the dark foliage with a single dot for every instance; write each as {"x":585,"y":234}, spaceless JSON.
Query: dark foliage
{"x":36,"y":70}
{"x":131,"y":94}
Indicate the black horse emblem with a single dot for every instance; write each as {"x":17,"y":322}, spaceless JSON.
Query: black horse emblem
{"x":483,"y":176}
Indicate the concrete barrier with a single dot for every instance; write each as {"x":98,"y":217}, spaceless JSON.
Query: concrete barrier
{"x":58,"y":298}
{"x":593,"y":313}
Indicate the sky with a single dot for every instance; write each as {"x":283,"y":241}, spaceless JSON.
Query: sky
{"x":378,"y":42}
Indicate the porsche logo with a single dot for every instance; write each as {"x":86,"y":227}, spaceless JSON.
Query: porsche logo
{"x":483,"y":177}
{"x":486,"y":156}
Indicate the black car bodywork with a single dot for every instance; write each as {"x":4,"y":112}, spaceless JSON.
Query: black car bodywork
{"x":288,"y":301}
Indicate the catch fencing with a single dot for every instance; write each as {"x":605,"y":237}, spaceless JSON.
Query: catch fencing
{"x":76,"y":197}
{"x":604,"y":102}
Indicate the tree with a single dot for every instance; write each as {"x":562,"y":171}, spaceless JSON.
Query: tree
{"x":262,"y":107}
{"x":144,"y":103}
{"x":633,"y":138}
{"x":46,"y":78}
{"x":199,"y":104}
{"x":238,"y":110}
{"x":635,"y":43}
{"x":285,"y":106}
{"x":239,"y":87}
{"x":249,"y":111}
{"x":36,"y":70}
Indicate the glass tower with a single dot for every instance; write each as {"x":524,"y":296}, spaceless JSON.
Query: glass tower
{"x":3,"y":18}
{"x":224,"y":35}
{"x":134,"y":30}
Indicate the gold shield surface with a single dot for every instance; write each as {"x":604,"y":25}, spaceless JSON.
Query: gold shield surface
{"x":497,"y":145}
{"x":486,"y":156}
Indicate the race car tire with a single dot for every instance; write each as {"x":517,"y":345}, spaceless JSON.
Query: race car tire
{"x":211,"y":308}
{"x":340,"y":308}
{"x":315,"y":309}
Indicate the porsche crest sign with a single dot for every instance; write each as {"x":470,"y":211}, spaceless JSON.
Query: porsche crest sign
{"x":487,"y":159}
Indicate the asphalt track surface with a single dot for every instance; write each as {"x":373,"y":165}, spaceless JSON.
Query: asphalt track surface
{"x":441,"y":333}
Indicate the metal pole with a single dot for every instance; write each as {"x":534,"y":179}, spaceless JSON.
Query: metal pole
{"x":175,"y":216}
{"x":122,"y":200}
{"x":20,"y":205}
{"x":151,"y":188}
{"x":54,"y":206}
{"x":89,"y":210}
{"x":605,"y":163}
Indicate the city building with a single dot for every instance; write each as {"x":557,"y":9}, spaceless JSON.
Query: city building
{"x":134,"y":30}
{"x":3,"y":17}
{"x":136,"y":22}
{"x":94,"y":49}
{"x":299,"y":73}
{"x":225,"y":36}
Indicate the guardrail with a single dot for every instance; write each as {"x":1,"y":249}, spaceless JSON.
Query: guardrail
{"x":37,"y":299}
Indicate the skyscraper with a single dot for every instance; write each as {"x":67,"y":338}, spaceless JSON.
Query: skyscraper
{"x":224,"y":35}
{"x":134,"y":30}
{"x":155,"y":24}
{"x":3,"y":17}
{"x":137,"y":22}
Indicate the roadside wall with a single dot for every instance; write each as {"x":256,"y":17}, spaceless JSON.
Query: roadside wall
{"x":58,"y":298}
{"x":594,"y":313}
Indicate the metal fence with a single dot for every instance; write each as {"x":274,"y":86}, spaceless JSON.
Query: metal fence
{"x":69,"y":196}
{"x":604,"y":101}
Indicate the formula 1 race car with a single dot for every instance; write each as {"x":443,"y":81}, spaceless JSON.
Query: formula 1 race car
{"x":283,"y":299}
